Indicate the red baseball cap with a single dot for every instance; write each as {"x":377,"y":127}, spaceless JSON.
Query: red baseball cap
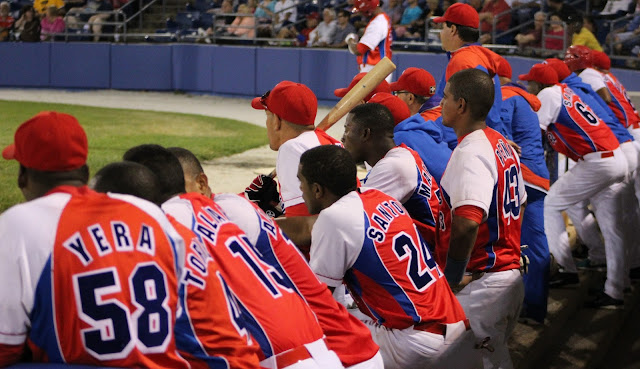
{"x":461,"y":14}
{"x":396,"y":106}
{"x":50,"y":141}
{"x":417,"y":81}
{"x":382,"y":87}
{"x":600,"y":60}
{"x":504,"y":68}
{"x":560,"y":67}
{"x":543,"y":73}
{"x":293,"y":102}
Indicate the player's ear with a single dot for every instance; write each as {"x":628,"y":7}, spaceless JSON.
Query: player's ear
{"x":462,"y":105}
{"x":365,"y":134}
{"x":317,"y":190}
{"x":23,"y":177}
{"x":202,"y":181}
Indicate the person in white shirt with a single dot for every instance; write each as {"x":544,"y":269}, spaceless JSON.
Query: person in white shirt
{"x":321,"y":36}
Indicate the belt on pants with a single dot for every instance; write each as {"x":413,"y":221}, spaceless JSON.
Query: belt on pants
{"x":292,"y":356}
{"x":437,"y":328}
{"x":602,"y":154}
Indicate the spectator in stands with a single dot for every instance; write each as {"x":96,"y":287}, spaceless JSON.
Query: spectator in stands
{"x":87,"y":13}
{"x":221,"y":21}
{"x":285,"y":13}
{"x":97,"y":21}
{"x":265,"y":10}
{"x":6,"y":21}
{"x":51,"y":23}
{"x":343,"y":28}
{"x":321,"y":36}
{"x":28,"y":25}
{"x":311,"y":23}
{"x":524,"y":9}
{"x":617,"y":8}
{"x":394,"y":9}
{"x":476,"y":4}
{"x":243,"y":25}
{"x":434,"y":9}
{"x":533,"y":38}
{"x":41,"y":6}
{"x":410,"y":17}
{"x":556,"y":31}
{"x":582,"y":35}
{"x":563,"y":9}
{"x":491,"y":10}
{"x":626,"y":38}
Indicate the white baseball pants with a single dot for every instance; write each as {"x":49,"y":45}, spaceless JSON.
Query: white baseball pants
{"x":584,"y":181}
{"x":374,"y":363}
{"x":321,"y":358}
{"x":365,"y":68}
{"x":412,"y":349}
{"x":492,"y":304}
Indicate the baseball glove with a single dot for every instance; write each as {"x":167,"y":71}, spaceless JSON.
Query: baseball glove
{"x":263,"y":191}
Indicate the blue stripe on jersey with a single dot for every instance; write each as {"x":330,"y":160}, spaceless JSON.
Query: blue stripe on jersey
{"x":418,"y":204}
{"x":356,"y":289}
{"x":186,"y":340}
{"x":365,"y":56}
{"x":369,"y":264}
{"x":382,"y":48}
{"x":43,"y":331}
{"x":566,"y":120}
{"x":553,"y":129}
{"x":264,"y":250}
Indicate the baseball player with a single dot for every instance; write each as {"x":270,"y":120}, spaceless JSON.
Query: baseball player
{"x":397,"y":171}
{"x":272,"y":311}
{"x":367,"y":239}
{"x":573,"y":129}
{"x":343,"y":330}
{"x":459,"y":38}
{"x":381,"y":87}
{"x":425,"y":137}
{"x":620,"y":104}
{"x":205,"y":334}
{"x":94,"y":276}
{"x":375,"y":43}
{"x":484,"y":195}
{"x":291,"y":111}
{"x":578,"y":59}
{"x":518,"y":114}
{"x":416,"y":88}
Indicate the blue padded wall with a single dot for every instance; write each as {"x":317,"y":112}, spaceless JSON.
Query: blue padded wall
{"x":234,"y":70}
{"x":275,"y":65}
{"x":192,"y":68}
{"x":80,"y":65}
{"x":25,"y":64}
{"x":141,"y":67}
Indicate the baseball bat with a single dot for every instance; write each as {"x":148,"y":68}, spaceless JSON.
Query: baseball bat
{"x":358,"y":92}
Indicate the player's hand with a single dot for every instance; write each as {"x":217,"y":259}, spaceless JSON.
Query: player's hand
{"x":264,"y":192}
{"x":516,"y":147}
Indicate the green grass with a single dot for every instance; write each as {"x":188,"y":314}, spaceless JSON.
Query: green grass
{"x":112,"y":131}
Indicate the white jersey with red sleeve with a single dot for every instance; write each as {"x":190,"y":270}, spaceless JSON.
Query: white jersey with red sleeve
{"x":368,"y":240}
{"x":343,"y":330}
{"x":377,"y":37}
{"x":90,"y":279}
{"x":593,"y":78}
{"x":402,"y":174}
{"x":206,"y":334}
{"x":484,"y":172}
{"x":571,"y":126}
{"x":287,"y":168}
{"x":621,"y":104}
{"x":267,"y":305}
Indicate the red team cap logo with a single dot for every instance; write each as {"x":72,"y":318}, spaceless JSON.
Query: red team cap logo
{"x":542,"y":73}
{"x":600,"y":60}
{"x":560,"y":67}
{"x":460,"y":14}
{"x":417,"y":81}
{"x":50,"y":141}
{"x":397,"y":107}
{"x":293,"y":102}
{"x":382,"y":87}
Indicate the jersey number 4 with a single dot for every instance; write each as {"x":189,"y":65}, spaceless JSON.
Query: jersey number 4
{"x":115,"y":330}
{"x":421,"y":277}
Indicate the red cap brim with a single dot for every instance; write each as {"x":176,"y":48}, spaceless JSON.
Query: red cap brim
{"x":394,"y":86}
{"x":9,"y":152}
{"x":340,"y":92}
{"x":257,"y":104}
{"x":525,"y":77}
{"x":439,"y":20}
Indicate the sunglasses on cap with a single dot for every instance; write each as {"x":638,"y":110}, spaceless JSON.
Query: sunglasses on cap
{"x":263,"y":99}
{"x":396,"y":93}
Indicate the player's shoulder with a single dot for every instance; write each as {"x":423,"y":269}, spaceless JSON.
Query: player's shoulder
{"x":347,"y":210}
{"x":551,"y":94}
{"x":301,"y":143}
{"x":181,"y":209}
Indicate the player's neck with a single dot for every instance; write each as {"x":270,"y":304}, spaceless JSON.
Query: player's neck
{"x":379,"y":152}
{"x":471,"y":126}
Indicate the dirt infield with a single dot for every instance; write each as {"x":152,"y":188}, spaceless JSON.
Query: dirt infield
{"x":227,"y":174}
